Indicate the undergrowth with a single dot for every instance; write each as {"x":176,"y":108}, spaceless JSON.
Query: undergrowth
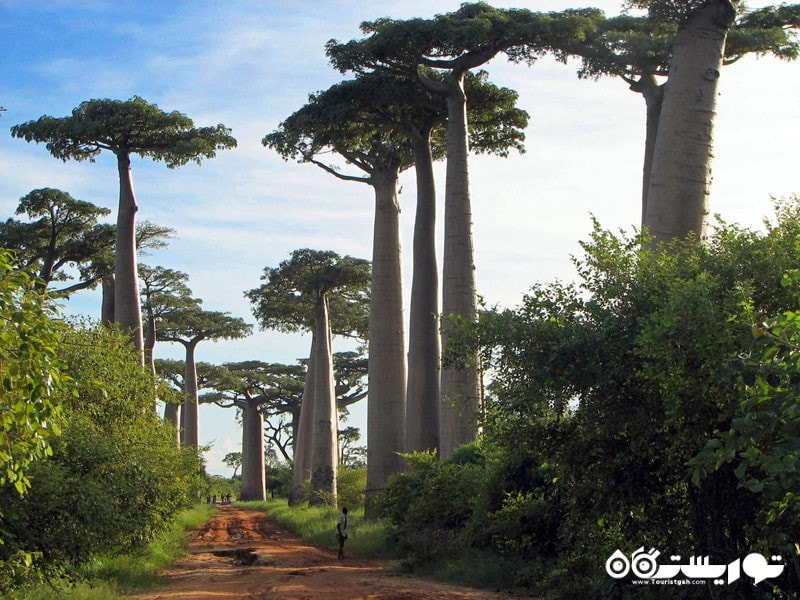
{"x":317,"y":525}
{"x":108,"y":577}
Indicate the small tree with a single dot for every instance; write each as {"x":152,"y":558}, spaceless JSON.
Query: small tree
{"x":163,"y":291}
{"x":126,"y":128}
{"x":61,"y":232}
{"x":173,"y":372}
{"x":234,"y":461}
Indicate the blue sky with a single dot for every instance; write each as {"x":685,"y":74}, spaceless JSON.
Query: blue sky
{"x":249,"y":64}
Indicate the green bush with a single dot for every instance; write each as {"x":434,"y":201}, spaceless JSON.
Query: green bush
{"x":429,"y":507}
{"x":30,"y":373}
{"x":115,"y":478}
{"x":351,"y":486}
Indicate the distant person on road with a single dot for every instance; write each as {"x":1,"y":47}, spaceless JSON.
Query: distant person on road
{"x":341,"y":530}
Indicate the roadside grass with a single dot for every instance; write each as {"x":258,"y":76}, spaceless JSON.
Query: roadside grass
{"x":317,"y":525}
{"x":109,"y":577}
{"x":478,"y":569}
{"x":369,"y":539}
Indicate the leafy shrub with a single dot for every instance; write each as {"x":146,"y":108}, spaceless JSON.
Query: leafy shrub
{"x":115,"y":477}
{"x":30,"y":373}
{"x":351,"y":487}
{"x":429,"y":507}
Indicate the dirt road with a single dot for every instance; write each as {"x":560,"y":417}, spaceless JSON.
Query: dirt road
{"x":246,"y":555}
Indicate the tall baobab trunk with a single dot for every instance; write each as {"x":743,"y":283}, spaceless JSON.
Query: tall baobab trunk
{"x":422,"y":397}
{"x":386,"y":402}
{"x":680,"y":182}
{"x":127,"y":308}
{"x":653,"y":95}
{"x":107,"y":307}
{"x":325,"y":455}
{"x":191,"y":414}
{"x":150,"y":344}
{"x":172,"y":415}
{"x":253,"y":484}
{"x":460,"y":389}
{"x":304,"y":438}
{"x":149,"y":350}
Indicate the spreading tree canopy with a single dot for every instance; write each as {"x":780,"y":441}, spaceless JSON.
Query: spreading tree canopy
{"x":61,"y":233}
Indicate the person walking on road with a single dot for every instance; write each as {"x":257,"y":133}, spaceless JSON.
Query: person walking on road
{"x":341,"y":530}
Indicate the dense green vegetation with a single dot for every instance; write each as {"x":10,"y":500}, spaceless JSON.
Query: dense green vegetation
{"x":114,"y":479}
{"x":652,"y":405}
{"x":109,"y":576}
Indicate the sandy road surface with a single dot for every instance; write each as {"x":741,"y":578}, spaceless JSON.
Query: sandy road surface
{"x":246,"y":555}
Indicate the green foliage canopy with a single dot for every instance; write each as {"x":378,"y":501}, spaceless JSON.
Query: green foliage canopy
{"x":287,"y":300}
{"x":125,"y":127}
{"x":61,"y":232}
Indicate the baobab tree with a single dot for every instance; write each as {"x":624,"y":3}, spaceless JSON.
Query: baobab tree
{"x":332,"y":121}
{"x":248,"y":386}
{"x":454,"y":44}
{"x":680,"y":180}
{"x":61,"y":233}
{"x":414,"y":117}
{"x":126,"y":128}
{"x":638,"y":50}
{"x":189,"y":327}
{"x":320,"y":292}
{"x":163,"y":291}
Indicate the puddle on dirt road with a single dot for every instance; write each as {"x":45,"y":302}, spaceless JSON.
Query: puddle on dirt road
{"x":242,"y":557}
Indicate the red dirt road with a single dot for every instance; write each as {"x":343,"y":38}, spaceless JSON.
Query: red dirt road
{"x":283,"y":567}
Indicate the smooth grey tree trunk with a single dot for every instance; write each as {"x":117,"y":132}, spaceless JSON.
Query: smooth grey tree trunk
{"x":191,"y":414}
{"x":424,"y":344}
{"x":386,"y":402}
{"x":127,"y":308}
{"x":253,"y":483}
{"x":653,"y":95}
{"x":304,"y":438}
{"x":172,"y":415}
{"x":150,"y":344}
{"x":680,"y":181}
{"x":460,"y":391}
{"x":107,"y":308}
{"x":324,"y":459}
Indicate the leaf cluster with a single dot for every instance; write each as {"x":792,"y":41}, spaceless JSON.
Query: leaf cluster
{"x":31,"y":375}
{"x":287,"y":299}
{"x":61,"y":232}
{"x":463,"y":39}
{"x":125,"y":127}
